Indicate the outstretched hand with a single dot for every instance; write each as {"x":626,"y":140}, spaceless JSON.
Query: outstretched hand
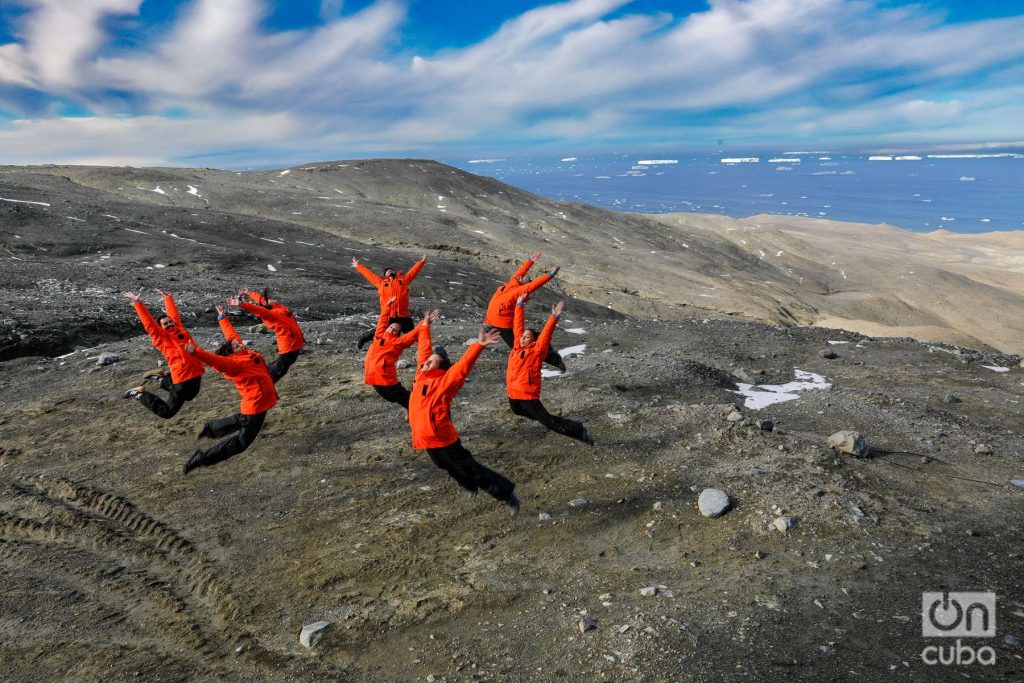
{"x":220,"y":309}
{"x":355,"y":262}
{"x":488,"y":338}
{"x":554,"y":271}
{"x":424,"y":257}
{"x":134,"y":298}
{"x":161,"y":292}
{"x":522,"y":298}
{"x":431,"y":316}
{"x":535,"y":256}
{"x":190,"y":348}
{"x":557,"y":309}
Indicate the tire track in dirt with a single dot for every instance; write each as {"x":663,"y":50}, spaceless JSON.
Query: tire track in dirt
{"x":101,"y":540}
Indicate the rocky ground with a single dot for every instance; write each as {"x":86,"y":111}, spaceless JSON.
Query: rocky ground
{"x":117,"y":566}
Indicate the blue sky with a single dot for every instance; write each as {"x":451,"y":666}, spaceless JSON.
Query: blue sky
{"x":240,"y":83}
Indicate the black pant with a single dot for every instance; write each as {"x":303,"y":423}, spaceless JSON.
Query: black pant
{"x":394,"y":393}
{"x":553,"y":358}
{"x":535,"y":410}
{"x":471,"y":475}
{"x":177,"y":395}
{"x":244,"y":429}
{"x":404,"y":321}
{"x":279,"y":366}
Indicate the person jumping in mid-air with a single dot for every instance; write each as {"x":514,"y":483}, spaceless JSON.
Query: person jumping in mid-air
{"x":523,"y":377}
{"x":387,"y":346}
{"x":437,"y":383}
{"x":501,"y":308}
{"x":249,"y":372}
{"x":281,"y":320}
{"x":184,"y":372}
{"x":393,"y":284}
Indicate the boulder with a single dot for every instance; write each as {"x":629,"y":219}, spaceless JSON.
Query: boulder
{"x":983,"y":449}
{"x":784,"y":523}
{"x":586,"y":624}
{"x":951,"y":398}
{"x":713,"y":503}
{"x":107,"y":358}
{"x":312,"y":632}
{"x":1019,"y":483}
{"x":828,"y":353}
{"x":734,"y":416}
{"x":849,"y":443}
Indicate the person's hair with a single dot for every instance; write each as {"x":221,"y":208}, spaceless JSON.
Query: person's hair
{"x":391,"y":269}
{"x":446,"y":362}
{"x":224,"y":349}
{"x":164,"y":315}
{"x":534,"y":331}
{"x":266,"y":298}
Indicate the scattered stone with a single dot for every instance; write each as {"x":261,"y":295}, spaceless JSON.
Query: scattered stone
{"x":605,"y":597}
{"x":826,"y":650}
{"x":547,"y":591}
{"x":734,"y":416}
{"x":713,"y":503}
{"x":759,"y":555}
{"x":784,"y":523}
{"x":1019,"y":483}
{"x":312,"y":632}
{"x":544,"y":516}
{"x":766,"y":425}
{"x":850,"y":443}
{"x":578,"y":502}
{"x":658,"y":505}
{"x":828,"y":353}
{"x":107,"y":358}
{"x":431,"y":678}
{"x":586,"y":624}
{"x":402,"y":364}
{"x":1010,"y":640}
{"x":743,"y":376}
{"x":952,"y":398}
{"x":623,"y":628}
{"x":925,"y":460}
{"x":983,"y":449}
{"x":649,"y":591}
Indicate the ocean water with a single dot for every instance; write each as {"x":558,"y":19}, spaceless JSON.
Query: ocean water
{"x":965,"y":194}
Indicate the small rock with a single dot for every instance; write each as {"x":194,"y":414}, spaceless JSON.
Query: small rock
{"x":605,"y":597}
{"x":826,"y":650}
{"x":766,"y":425}
{"x":107,"y":358}
{"x":658,"y":505}
{"x":743,"y":376}
{"x":925,"y":460}
{"x":828,"y":353}
{"x":734,"y":416}
{"x":983,"y":449}
{"x":402,"y":364}
{"x":952,"y":398}
{"x":1019,"y":483}
{"x":759,"y":555}
{"x":431,"y":678}
{"x":713,"y":502}
{"x":544,"y":516}
{"x":578,"y":502}
{"x":784,"y":523}
{"x":312,"y":632}
{"x":586,"y":624}
{"x":1010,"y":640}
{"x":850,"y":443}
{"x":649,"y":591}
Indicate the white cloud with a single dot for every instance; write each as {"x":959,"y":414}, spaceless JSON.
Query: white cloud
{"x":750,"y":69}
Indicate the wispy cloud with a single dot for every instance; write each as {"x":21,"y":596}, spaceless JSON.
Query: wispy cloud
{"x":578,"y":72}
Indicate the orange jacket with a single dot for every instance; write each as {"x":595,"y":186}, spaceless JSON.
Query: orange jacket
{"x":282,"y":321}
{"x":397,"y":286}
{"x":523,"y":378}
{"x":379,"y":366}
{"x":502,"y":306}
{"x":249,"y":373}
{"x":227,"y":329}
{"x":171,"y":343}
{"x":432,"y":394}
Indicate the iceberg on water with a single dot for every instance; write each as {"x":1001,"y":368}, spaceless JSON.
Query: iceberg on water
{"x":908,"y":158}
{"x":484,"y":161}
{"x":1001,"y":155}
{"x":967,"y":178}
{"x":783,"y":160}
{"x":880,"y":158}
{"x":569,"y":159}
{"x":741,"y":160}
{"x":657,"y":162}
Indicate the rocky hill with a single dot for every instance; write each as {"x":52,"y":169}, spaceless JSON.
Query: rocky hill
{"x":116,"y":566}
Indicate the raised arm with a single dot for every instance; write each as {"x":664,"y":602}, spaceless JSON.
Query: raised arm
{"x":544,"y":340}
{"x":457,"y":373}
{"x":148,"y":322}
{"x":415,"y":270}
{"x":519,"y":318}
{"x":535,"y":284}
{"x":222,"y":364}
{"x":259,"y":311}
{"x":425,"y":345}
{"x":525,"y":266}
{"x":171,"y":309}
{"x":370,"y":276}
{"x":225,"y":325}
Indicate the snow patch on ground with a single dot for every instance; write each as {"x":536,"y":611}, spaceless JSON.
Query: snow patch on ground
{"x":996,"y":368}
{"x":22,"y":201}
{"x":194,"y":191}
{"x":271,"y":268}
{"x":576,"y":330}
{"x":757,"y":396}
